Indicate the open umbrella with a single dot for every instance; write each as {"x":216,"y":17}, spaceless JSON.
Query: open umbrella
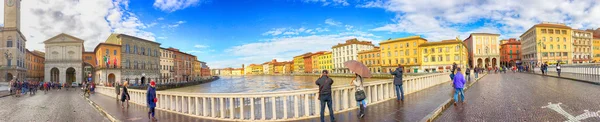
{"x":358,"y":68}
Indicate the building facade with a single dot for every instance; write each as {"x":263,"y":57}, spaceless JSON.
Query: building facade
{"x":12,"y":45}
{"x":547,"y":43}
{"x":582,"y":46}
{"x":108,"y":65}
{"x":596,"y":52}
{"x":182,"y":63}
{"x":325,"y":61}
{"x":166,"y":66}
{"x":371,"y":59}
{"x":440,"y":56}
{"x":299,"y":63}
{"x":401,"y":51}
{"x":64,"y":62}
{"x":35,"y":65}
{"x":205,"y":70}
{"x":139,"y":58}
{"x":510,"y":53}
{"x":343,"y":52}
{"x":315,"y":61}
{"x":197,"y":70}
{"x":254,"y":69}
{"x":484,"y":50}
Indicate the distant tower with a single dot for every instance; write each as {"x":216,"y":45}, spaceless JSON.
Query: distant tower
{"x":242,"y":67}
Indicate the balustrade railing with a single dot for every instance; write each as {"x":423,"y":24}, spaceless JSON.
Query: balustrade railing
{"x":577,"y":69}
{"x":275,"y":106}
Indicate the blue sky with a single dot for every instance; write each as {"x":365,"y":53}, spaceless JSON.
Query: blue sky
{"x":228,"y":33}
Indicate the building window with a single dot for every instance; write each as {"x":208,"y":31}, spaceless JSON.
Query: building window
{"x":440,"y":58}
{"x":8,"y":62}
{"x":544,"y":31}
{"x":424,"y":50}
{"x":565,"y":46}
{"x":551,"y":47}
{"x":550,"y":39}
{"x":447,"y":57}
{"x":432,"y":58}
{"x":543,"y":38}
{"x":564,"y":31}
{"x":456,"y":58}
{"x":9,"y":43}
{"x":115,"y":52}
{"x":564,"y":39}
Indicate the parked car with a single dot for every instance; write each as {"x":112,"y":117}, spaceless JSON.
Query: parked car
{"x":74,"y":84}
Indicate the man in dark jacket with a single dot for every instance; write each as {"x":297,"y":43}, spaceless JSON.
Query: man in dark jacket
{"x":324,"y":83}
{"x":467,"y":74}
{"x":398,"y":82}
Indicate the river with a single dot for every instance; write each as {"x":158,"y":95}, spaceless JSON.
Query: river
{"x":250,"y":84}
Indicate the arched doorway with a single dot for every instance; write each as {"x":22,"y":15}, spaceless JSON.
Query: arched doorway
{"x":111,"y":78}
{"x":479,"y":62}
{"x":487,"y":62}
{"x":494,"y":62}
{"x":143,"y":80}
{"x":9,"y":77}
{"x":54,"y":73}
{"x":70,"y":75}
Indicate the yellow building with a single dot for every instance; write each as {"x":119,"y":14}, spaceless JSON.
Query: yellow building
{"x":401,"y":51}
{"x":547,"y":42}
{"x":316,"y":61}
{"x":371,"y":58}
{"x":324,"y":62}
{"x":299,"y":64}
{"x":596,"y":52}
{"x":439,"y":56}
{"x":582,"y":46}
{"x":254,"y":69}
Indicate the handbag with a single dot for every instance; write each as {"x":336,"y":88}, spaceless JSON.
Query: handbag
{"x":360,"y":95}
{"x":155,"y":100}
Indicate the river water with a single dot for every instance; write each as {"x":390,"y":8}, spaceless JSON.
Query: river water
{"x":249,"y":84}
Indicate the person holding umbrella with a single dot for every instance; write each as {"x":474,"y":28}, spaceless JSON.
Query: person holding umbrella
{"x":360,"y":71}
{"x":398,"y":82}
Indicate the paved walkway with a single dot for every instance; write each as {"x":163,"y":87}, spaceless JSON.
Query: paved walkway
{"x":137,"y":113}
{"x":56,"y":106}
{"x":526,"y":97}
{"x":574,"y":76}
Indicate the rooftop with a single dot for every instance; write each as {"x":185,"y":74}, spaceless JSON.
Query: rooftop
{"x":353,"y":41}
{"x":401,"y":39}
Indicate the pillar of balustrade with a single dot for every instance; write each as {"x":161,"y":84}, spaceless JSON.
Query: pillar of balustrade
{"x":296,"y":111}
{"x":274,"y":107}
{"x":262,"y":108}
{"x":231,"y":108}
{"x":222,"y":107}
{"x":197,"y":109}
{"x":212,"y":107}
{"x":241,"y":108}
{"x":251,"y":108}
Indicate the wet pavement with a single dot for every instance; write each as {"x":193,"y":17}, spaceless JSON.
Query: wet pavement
{"x":56,"y":106}
{"x":526,"y":97}
{"x":414,"y":108}
{"x":138,"y":113}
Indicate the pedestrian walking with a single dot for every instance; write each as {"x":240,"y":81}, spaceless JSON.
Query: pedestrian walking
{"x":398,"y":82}
{"x":558,"y":69}
{"x":324,"y":83}
{"x":360,"y":97}
{"x":151,"y":100}
{"x":19,"y":88}
{"x":468,"y":73}
{"x":459,"y":83}
{"x":477,"y":72}
{"x":125,"y":94}
{"x":117,"y":89}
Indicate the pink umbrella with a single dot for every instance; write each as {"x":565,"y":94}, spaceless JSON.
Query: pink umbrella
{"x":358,"y":68}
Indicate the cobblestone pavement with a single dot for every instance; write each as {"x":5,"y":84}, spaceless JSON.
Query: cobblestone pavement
{"x":56,"y":106}
{"x":526,"y":97}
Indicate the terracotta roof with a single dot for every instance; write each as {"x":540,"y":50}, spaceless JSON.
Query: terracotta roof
{"x":353,"y":41}
{"x":401,"y":39}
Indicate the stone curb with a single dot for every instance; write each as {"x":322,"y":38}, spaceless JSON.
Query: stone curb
{"x":584,"y":81}
{"x":438,"y":111}
{"x":101,"y":111}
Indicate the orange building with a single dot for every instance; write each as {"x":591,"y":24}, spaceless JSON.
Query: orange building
{"x":35,"y":65}
{"x":107,"y":63}
{"x":510,"y":52}
{"x":308,"y":64}
{"x":183,"y":65}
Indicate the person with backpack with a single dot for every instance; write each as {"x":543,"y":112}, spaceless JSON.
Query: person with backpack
{"x":360,"y":97}
{"x":324,"y":83}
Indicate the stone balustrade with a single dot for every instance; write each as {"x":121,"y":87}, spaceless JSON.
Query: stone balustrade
{"x":275,"y":106}
{"x":578,"y":69}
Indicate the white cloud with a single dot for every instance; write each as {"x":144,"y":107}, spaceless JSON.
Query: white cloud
{"x":174,"y":25}
{"x":160,"y":18}
{"x":162,"y":37}
{"x":448,"y":18}
{"x":90,"y":20}
{"x":286,"y":31}
{"x":174,"y":5}
{"x":329,"y":2}
{"x":332,"y":22}
{"x":285,"y":48}
{"x":201,"y":46}
{"x":349,"y":27}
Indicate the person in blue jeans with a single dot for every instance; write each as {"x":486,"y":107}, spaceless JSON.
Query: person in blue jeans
{"x":357,"y":82}
{"x":398,"y":82}
{"x":324,"y":83}
{"x":459,"y":84}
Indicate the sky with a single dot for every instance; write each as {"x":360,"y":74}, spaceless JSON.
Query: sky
{"x":229,"y":33}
